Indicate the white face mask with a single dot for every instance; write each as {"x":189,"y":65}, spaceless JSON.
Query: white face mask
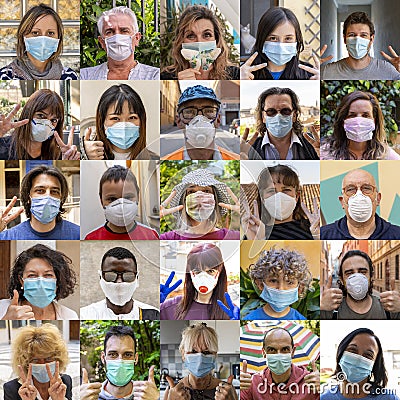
{"x":204,"y":282}
{"x":200,"y":132}
{"x":359,"y":129}
{"x":360,"y":207}
{"x":357,"y":286}
{"x":42,"y":129}
{"x":280,"y":205}
{"x":119,"y":47}
{"x":118,"y":293}
{"x":121,"y":212}
{"x":200,"y":205}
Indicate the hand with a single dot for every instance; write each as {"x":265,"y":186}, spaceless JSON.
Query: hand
{"x":189,"y":73}
{"x":7,"y":124}
{"x":146,"y":390}
{"x":312,"y":379}
{"x":57,"y":387}
{"x":6,"y":217}
{"x":252,"y":225}
{"x":312,"y":70}
{"x":315,"y":140}
{"x":314,"y":218}
{"x":321,"y":53}
{"x":94,"y":148}
{"x":390,"y":300}
{"x":69,"y":151}
{"x":232,"y":311}
{"x":245,"y":145}
{"x":331,"y":298}
{"x":236,"y":206}
{"x":89,"y":391}
{"x":245,"y":377}
{"x":246,"y":69}
{"x":27,"y":391}
{"x":395,"y":60}
{"x":17,"y":312}
{"x":166,"y":211}
{"x":225,"y":390}
{"x":165,"y":290}
{"x":176,"y":392}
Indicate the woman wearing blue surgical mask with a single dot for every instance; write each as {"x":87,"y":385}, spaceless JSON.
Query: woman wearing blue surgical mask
{"x":38,"y":135}
{"x":199,"y":348}
{"x":39,"y":46}
{"x":120,"y":127}
{"x":39,"y":358}
{"x":40,"y":277}
{"x":277,"y":49}
{"x":360,"y":369}
{"x":281,"y":277}
{"x":199,"y":50}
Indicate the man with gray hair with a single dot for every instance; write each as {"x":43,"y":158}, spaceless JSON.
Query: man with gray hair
{"x":119,"y":35}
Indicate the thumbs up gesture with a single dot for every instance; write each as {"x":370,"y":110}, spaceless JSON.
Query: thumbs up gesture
{"x":94,"y":148}
{"x":312,"y":379}
{"x":176,"y":391}
{"x":331,"y":298}
{"x":245,"y":377}
{"x":146,"y":390}
{"x":390,"y":300}
{"x":225,"y":390}
{"x":89,"y":391}
{"x":15,"y":311}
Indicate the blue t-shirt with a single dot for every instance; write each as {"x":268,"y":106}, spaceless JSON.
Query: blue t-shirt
{"x":64,"y":230}
{"x":276,"y":75}
{"x":260,"y":314}
{"x":334,"y":394}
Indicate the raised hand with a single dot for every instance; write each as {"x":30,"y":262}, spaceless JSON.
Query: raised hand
{"x":27,"y":391}
{"x":247,"y":69}
{"x":190,"y":73}
{"x":94,"y":148}
{"x":313,"y":138}
{"x":69,"y":151}
{"x":321,"y":53}
{"x":312,"y":70}
{"x":331,"y":298}
{"x":313,"y":217}
{"x":394,"y":60}
{"x":6,"y":122}
{"x":312,"y":379}
{"x":246,"y":145}
{"x":6,"y":217}
{"x":166,"y":211}
{"x":165,"y":289}
{"x":57,"y":387}
{"x":146,"y":390}
{"x":232,"y":311}
{"x":252,"y":225}
{"x":225,"y":390}
{"x":89,"y":391}
{"x":176,"y":392}
{"x":245,"y":377}
{"x":17,"y":312}
{"x":233,"y":207}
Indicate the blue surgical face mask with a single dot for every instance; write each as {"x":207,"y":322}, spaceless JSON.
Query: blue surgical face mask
{"x":123,"y":134}
{"x":199,"y":364}
{"x":356,"y":367}
{"x":39,"y":371}
{"x":40,"y":292}
{"x":280,"y":53}
{"x":279,"y":299}
{"x":41,"y":47}
{"x":357,"y":47}
{"x":279,"y":363}
{"x":45,"y":208}
{"x":120,"y":372}
{"x":280,"y":125}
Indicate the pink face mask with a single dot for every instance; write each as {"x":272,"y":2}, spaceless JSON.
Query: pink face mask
{"x":359,"y":129}
{"x":200,"y":205}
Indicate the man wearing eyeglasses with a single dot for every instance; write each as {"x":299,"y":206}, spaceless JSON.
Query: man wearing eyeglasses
{"x":198,"y":115}
{"x":279,"y":132}
{"x":118,"y":281}
{"x":359,"y":199}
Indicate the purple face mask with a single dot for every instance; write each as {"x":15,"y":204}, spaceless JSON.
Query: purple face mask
{"x":359,"y":129}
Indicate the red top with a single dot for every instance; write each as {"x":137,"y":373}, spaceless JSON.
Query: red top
{"x":139,"y":232}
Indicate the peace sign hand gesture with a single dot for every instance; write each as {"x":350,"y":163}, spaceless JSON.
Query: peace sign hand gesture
{"x":69,"y":151}
{"x":312,"y":70}
{"x":5,"y":217}
{"x":27,"y":391}
{"x":6,"y":122}
{"x":167,"y":211}
{"x":394,"y":60}
{"x":245,"y":145}
{"x":57,"y":388}
{"x":246,"y":69}
{"x":313,"y":217}
{"x":252,"y":225}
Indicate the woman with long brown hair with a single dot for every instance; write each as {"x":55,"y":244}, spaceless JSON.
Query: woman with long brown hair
{"x":199,"y":50}
{"x":205,"y":292}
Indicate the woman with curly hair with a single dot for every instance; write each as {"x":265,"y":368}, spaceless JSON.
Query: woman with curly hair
{"x":199,"y":50}
{"x":282,"y":277}
{"x":40,"y":276}
{"x":358,"y":131}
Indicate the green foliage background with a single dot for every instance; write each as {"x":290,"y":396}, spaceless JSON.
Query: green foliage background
{"x":332,"y":93}
{"x":92,"y":54}
{"x":168,"y":170}
{"x":147,"y":346}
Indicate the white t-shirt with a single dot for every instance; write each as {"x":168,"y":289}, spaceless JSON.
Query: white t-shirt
{"x":62,"y":312}
{"x":100,"y":310}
